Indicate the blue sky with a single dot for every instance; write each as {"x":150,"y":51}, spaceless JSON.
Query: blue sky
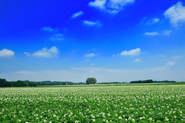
{"x":112,"y":40}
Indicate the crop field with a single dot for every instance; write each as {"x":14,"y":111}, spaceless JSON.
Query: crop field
{"x":157,"y":103}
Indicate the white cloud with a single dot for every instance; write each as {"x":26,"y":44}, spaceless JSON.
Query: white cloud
{"x":100,"y":4}
{"x":101,"y":74}
{"x":91,"y":23}
{"x":87,"y":60}
{"x":91,"y":55}
{"x":53,"y":51}
{"x":137,"y":60}
{"x":170,"y":63}
{"x":6,"y":53}
{"x":49,"y":29}
{"x":176,"y":13}
{"x":151,"y":33}
{"x":131,"y":52}
{"x":77,"y":14}
{"x":26,"y":53}
{"x":110,"y":6}
{"x":153,"y":20}
{"x":159,"y":68}
{"x":167,"y":32}
{"x":58,"y":37}
{"x":176,"y":57}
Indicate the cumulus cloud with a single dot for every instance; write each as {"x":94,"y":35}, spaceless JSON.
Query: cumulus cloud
{"x":137,"y":60}
{"x":77,"y":14}
{"x":176,"y":13}
{"x":48,"y":29}
{"x":167,"y":32}
{"x":151,"y":33}
{"x":91,"y":55}
{"x":176,"y":57}
{"x":170,"y":63}
{"x":100,"y":4}
{"x":91,"y":23}
{"x":6,"y":53}
{"x":110,"y":6}
{"x":53,"y":51}
{"x":131,"y":52}
{"x":57,"y":37}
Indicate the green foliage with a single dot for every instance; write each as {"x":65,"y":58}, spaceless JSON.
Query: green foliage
{"x":91,"y":81}
{"x":4,"y":83}
{"x":18,"y":83}
{"x":164,"y":81}
{"x":143,"y":81}
{"x":55,"y":83}
{"x":117,"y":104}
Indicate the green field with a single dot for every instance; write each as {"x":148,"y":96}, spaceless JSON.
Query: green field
{"x":93,"y":103}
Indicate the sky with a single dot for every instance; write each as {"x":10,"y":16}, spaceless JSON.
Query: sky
{"x":111,"y":40}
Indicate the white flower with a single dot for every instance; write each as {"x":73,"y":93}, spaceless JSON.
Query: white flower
{"x":76,"y":121}
{"x":120,"y":117}
{"x":133,"y":120}
{"x":166,"y":119}
{"x":94,"y":120}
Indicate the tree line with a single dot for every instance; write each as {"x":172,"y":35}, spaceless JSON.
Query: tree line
{"x":24,"y":83}
{"x":143,"y":81}
{"x":18,"y":83}
{"x":21,"y":83}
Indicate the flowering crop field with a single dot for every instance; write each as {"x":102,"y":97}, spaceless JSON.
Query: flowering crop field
{"x":157,"y":103}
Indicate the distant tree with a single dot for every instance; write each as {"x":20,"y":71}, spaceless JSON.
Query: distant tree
{"x":143,"y":81}
{"x":4,"y":83}
{"x":91,"y":80}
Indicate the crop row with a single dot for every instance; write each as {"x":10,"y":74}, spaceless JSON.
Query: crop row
{"x":92,"y":104}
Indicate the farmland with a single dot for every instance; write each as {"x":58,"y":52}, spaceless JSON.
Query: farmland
{"x":78,"y":104}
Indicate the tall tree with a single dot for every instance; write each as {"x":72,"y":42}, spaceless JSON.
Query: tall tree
{"x":91,"y":80}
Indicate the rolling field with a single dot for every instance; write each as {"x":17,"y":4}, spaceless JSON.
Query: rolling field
{"x":78,"y":104}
